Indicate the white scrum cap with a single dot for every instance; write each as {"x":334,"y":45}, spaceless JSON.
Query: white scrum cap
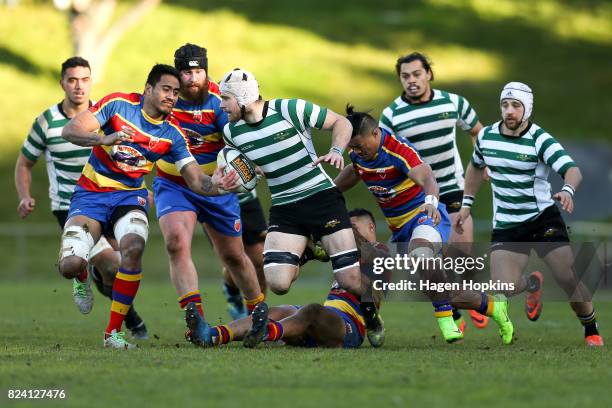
{"x":522,"y":93}
{"x":242,"y":84}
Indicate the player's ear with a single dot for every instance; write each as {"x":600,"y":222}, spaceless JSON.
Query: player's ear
{"x":148,"y":89}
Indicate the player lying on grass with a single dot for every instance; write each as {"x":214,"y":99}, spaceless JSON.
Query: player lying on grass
{"x":336,"y":323}
{"x":406,"y":191}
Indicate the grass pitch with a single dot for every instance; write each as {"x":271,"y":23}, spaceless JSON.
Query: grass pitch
{"x":48,"y":344}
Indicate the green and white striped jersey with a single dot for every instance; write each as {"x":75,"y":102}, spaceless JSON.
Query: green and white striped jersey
{"x":519,"y":168}
{"x":430,"y":127}
{"x":281,"y":144}
{"x":65,"y":161}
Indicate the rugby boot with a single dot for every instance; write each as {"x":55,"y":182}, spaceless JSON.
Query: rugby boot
{"x":479,"y":320}
{"x":533,"y":302}
{"x":258,"y":327}
{"x":594,"y":340}
{"x":117,"y":340}
{"x":449,"y":329}
{"x":500,"y":316}
{"x":199,"y":332}
{"x":235,"y":305}
{"x":82,"y":295}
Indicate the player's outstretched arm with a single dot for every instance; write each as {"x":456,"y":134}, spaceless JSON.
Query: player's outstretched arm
{"x":573,"y":178}
{"x":473,"y":179}
{"x":206,"y":185}
{"x":423,"y":176}
{"x":23,"y":181}
{"x":346,"y":179}
{"x":81,"y":130}
{"x":341,"y":135}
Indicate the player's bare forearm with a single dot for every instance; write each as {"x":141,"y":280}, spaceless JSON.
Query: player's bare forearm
{"x":341,"y":129}
{"x":23,"y":176}
{"x":573,"y":177}
{"x":423,"y":176}
{"x":346,"y":179}
{"x":81,"y":130}
{"x":474,"y":132}
{"x":473,"y":179}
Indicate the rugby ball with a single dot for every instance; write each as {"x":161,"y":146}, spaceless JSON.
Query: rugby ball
{"x":232,"y":159}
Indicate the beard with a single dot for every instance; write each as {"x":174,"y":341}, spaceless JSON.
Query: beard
{"x":195,"y":91}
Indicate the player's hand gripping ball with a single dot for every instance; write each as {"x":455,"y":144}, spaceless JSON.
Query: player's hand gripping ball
{"x":232,"y":159}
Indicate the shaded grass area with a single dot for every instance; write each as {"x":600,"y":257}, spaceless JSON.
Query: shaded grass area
{"x":334,"y":53}
{"x":47,"y":344}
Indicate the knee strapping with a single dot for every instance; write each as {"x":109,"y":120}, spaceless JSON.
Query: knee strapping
{"x":344,"y":260}
{"x":76,"y":241}
{"x":134,"y":222}
{"x":101,"y":245}
{"x":272,"y":258}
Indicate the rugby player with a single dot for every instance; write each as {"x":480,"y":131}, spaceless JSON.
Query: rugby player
{"x":336,"y":323}
{"x":427,"y":118}
{"x":406,"y":191}
{"x":111,"y":195}
{"x":179,"y":209}
{"x":276,"y":136}
{"x":519,"y":155}
{"x":65,"y":162}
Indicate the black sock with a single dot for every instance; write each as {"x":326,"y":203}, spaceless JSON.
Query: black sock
{"x":589,"y":323}
{"x":533,"y":284}
{"x":132,"y":319}
{"x":231,"y":290}
{"x":368,"y":309}
{"x":456,"y":314}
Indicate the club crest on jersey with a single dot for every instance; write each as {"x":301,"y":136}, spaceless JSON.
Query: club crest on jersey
{"x":153,"y":141}
{"x":237,"y":225}
{"x":422,"y":219}
{"x":197,"y":116}
{"x":142,"y":201}
{"x":127,"y":158}
{"x":381,"y":173}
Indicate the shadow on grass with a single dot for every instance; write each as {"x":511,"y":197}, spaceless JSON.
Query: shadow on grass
{"x":24,"y":64}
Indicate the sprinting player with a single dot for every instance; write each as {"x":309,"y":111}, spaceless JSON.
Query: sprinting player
{"x":427,"y":118}
{"x":65,"y":162}
{"x":111,"y":195}
{"x":254,"y":229}
{"x":406,"y":191}
{"x":519,"y":155}
{"x":180,"y":209}
{"x":276,"y":136}
{"x":336,"y":323}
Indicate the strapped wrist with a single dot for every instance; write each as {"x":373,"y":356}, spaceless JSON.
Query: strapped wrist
{"x":468,"y":201}
{"x":568,"y":188}
{"x":431,"y":199}
{"x":336,"y":149}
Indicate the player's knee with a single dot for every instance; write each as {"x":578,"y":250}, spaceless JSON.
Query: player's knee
{"x":279,"y":287}
{"x":278,"y":280}
{"x":134,"y":223}
{"x":132,"y":249}
{"x":70,"y":267}
{"x":350,"y":281}
{"x":177,"y":244}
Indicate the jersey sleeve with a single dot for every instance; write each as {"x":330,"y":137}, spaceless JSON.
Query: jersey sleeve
{"x":106,"y":107}
{"x":36,"y":142}
{"x":227,"y":136}
{"x":552,"y":153}
{"x":386,"y":120}
{"x":466,"y":115}
{"x":404,"y":156}
{"x":179,"y":153}
{"x":302,"y":114}
{"x":221,"y":118}
{"x":477,"y":157}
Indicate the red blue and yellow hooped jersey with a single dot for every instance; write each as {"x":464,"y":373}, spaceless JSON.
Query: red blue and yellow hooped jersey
{"x":398,"y":196}
{"x":348,"y":306}
{"x":123,"y":166}
{"x":203,"y":124}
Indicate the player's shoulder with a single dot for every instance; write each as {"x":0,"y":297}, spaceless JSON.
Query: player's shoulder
{"x":174,"y":127}
{"x":213,"y":88}
{"x":395,"y":143}
{"x":489,"y":129}
{"x":394,"y":105}
{"x":121,"y":97}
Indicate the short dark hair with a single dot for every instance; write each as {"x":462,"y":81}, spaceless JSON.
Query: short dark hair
{"x":160,"y":70}
{"x":362,"y":122}
{"x":74,"y":62}
{"x":415,"y":56}
{"x":362,"y":212}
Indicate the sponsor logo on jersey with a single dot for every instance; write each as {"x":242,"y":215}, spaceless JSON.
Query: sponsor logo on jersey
{"x":195,"y":139}
{"x":282,"y":135}
{"x":127,"y":158}
{"x":331,"y":224}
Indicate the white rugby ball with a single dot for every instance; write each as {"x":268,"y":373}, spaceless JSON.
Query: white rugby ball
{"x":232,"y":159}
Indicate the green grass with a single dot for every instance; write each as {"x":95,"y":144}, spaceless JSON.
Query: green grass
{"x":47,"y":344}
